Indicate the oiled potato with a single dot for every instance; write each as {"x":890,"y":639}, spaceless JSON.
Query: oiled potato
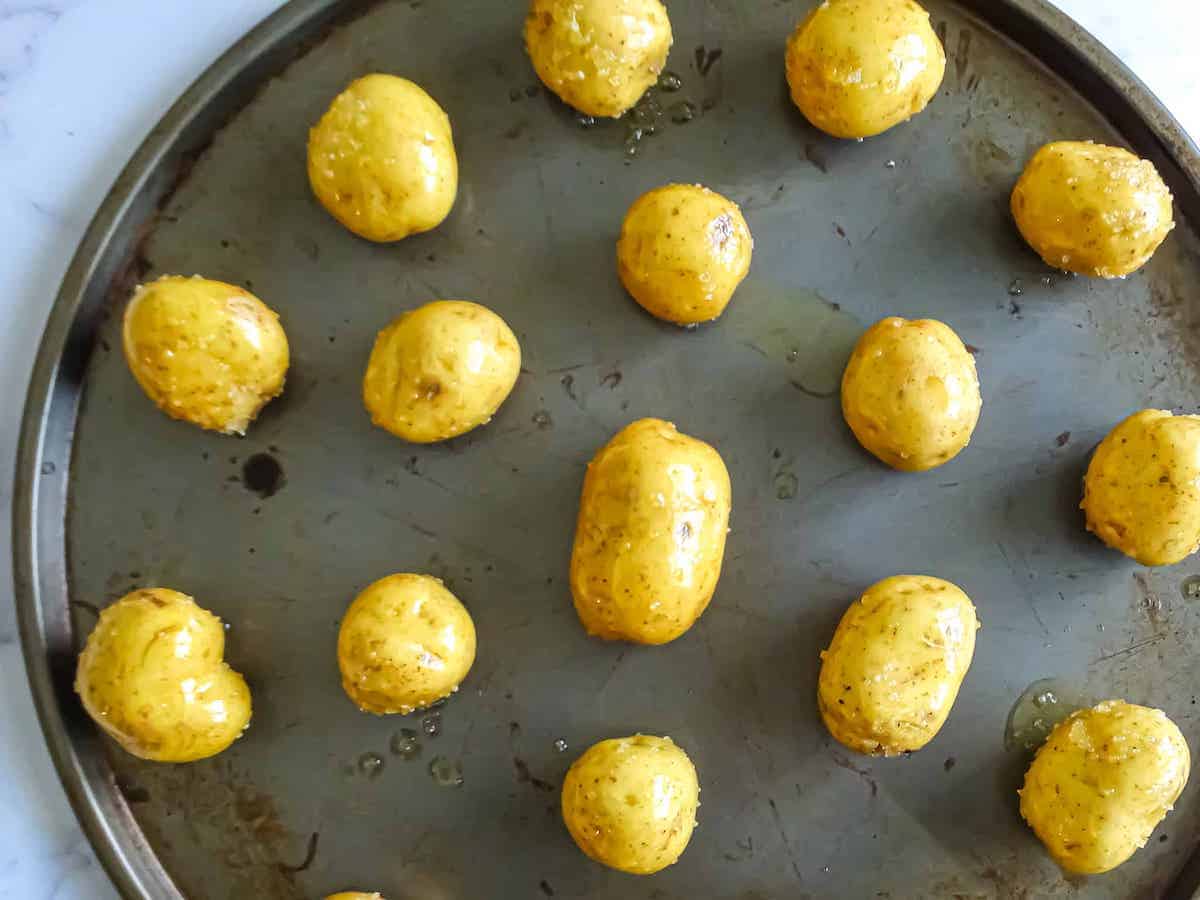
{"x":354,"y":895}
{"x":650,"y":537}
{"x":440,"y":370}
{"x":152,"y":674}
{"x":630,"y":803}
{"x":382,"y":160}
{"x":405,"y":642}
{"x":858,"y":67}
{"x":1102,"y":782}
{"x":1141,"y":494}
{"x":895,"y":664}
{"x":910,"y":393}
{"x":683,"y":251}
{"x":1092,"y":209}
{"x":204,"y":351}
{"x":599,"y":56}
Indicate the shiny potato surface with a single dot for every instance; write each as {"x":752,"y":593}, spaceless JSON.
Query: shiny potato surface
{"x":910,"y":393}
{"x":683,"y":251}
{"x":440,"y":370}
{"x":354,"y":895}
{"x":895,"y":664}
{"x":1102,"y":782}
{"x":382,"y":159}
{"x":152,"y":674}
{"x":630,"y":803}
{"x":650,"y":537}
{"x":858,"y":67}
{"x":204,"y":351}
{"x":598,"y":56}
{"x":1092,"y":209}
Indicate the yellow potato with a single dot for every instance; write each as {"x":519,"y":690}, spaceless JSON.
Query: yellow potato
{"x":599,"y":56}
{"x":683,"y":251}
{"x":152,"y":674}
{"x":910,"y":393}
{"x":1102,"y":782}
{"x":630,"y":803}
{"x":650,"y":537}
{"x":204,"y":351}
{"x":858,"y":67}
{"x":405,"y":642}
{"x":895,"y":664}
{"x":1092,"y":209}
{"x":382,"y":161}
{"x":354,"y":895}
{"x":1141,"y":494}
{"x":440,"y":370}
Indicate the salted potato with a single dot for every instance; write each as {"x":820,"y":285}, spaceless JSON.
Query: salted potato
{"x":354,"y":895}
{"x":1092,"y":209}
{"x":650,"y":537}
{"x":910,"y":393}
{"x":598,"y":56}
{"x":153,"y":675}
{"x":1102,"y":782}
{"x":683,"y":251}
{"x":204,"y":351}
{"x":440,"y":370}
{"x":895,"y":664}
{"x":858,"y":67}
{"x":382,"y":160}
{"x":630,"y":803}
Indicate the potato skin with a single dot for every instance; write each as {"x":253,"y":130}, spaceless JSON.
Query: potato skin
{"x":1141,"y":494}
{"x":630,"y":803}
{"x":1092,"y":209}
{"x":650,"y":537}
{"x":1102,"y":782}
{"x":354,"y":895}
{"x":152,"y":675}
{"x":381,"y":159}
{"x":895,"y":664}
{"x":858,"y":67}
{"x":204,"y":351}
{"x":683,"y":251}
{"x":440,"y":370}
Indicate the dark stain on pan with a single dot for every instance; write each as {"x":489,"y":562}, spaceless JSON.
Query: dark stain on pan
{"x":524,"y":776}
{"x":263,"y":475}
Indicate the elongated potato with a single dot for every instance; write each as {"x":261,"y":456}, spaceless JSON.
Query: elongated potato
{"x":650,"y":537}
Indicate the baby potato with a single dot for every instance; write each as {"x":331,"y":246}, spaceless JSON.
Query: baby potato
{"x":895,"y":664}
{"x":405,"y":642}
{"x":440,"y":370}
{"x":152,"y":674}
{"x":354,"y":895}
{"x":858,"y":67}
{"x":650,"y":537}
{"x":1141,"y":494}
{"x":1092,"y":209}
{"x":382,"y":160}
{"x":630,"y":803}
{"x":910,"y":393}
{"x":598,"y":56}
{"x":683,"y":251}
{"x":204,"y":351}
{"x":1102,"y":782}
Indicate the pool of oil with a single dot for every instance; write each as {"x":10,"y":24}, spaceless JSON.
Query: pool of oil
{"x":1039,"y":709}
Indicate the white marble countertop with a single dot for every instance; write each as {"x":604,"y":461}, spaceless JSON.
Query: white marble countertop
{"x":81,"y":82}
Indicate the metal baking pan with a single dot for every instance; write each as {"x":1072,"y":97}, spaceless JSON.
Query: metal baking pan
{"x":277,"y":532}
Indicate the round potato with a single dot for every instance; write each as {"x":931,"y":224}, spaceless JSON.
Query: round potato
{"x":204,"y":351}
{"x":1092,"y":209}
{"x":598,"y":56}
{"x":382,"y":160}
{"x":630,"y":803}
{"x":354,"y":895}
{"x":858,"y":67}
{"x":152,"y":674}
{"x":650,"y":537}
{"x":440,"y":370}
{"x":1102,"y":782}
{"x":405,"y":642}
{"x":683,"y":251}
{"x":910,"y":393}
{"x":895,"y":664}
